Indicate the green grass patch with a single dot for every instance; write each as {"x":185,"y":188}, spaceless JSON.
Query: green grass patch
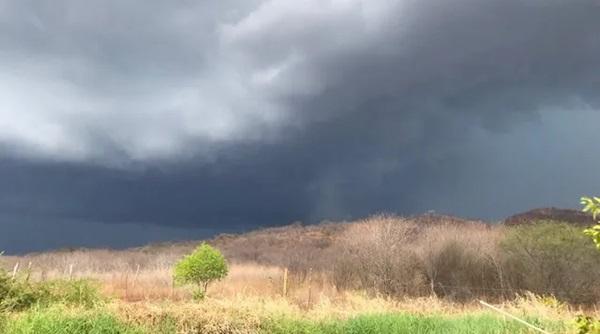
{"x":406,"y":324}
{"x":61,"y":321}
{"x":65,"y":320}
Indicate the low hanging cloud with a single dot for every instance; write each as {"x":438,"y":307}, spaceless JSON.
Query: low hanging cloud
{"x":246,"y":113}
{"x":137,"y":81}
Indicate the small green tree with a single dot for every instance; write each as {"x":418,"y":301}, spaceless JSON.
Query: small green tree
{"x":586,"y":324}
{"x":205,"y":265}
{"x":592,"y":205}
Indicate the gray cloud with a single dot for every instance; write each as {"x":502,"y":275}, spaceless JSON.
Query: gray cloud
{"x":136,"y":81}
{"x":245,"y":113}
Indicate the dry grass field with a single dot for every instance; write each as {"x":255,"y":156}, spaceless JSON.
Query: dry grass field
{"x":257,"y":259}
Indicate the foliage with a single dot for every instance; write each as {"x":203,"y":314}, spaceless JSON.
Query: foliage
{"x":198,"y":294}
{"x":3,"y":322}
{"x":550,"y":258}
{"x":587,"y":325}
{"x":378,"y":258}
{"x":5,"y":285}
{"x":592,"y":205}
{"x":398,"y":259}
{"x":18,"y":294}
{"x":460,"y":272}
{"x":205,"y":265}
{"x":81,"y":292}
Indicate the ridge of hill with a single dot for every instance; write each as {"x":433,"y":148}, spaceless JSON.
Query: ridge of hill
{"x":550,"y":214}
{"x":267,"y":244}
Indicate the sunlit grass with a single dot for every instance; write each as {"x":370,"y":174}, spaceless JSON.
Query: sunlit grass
{"x":60,"y":320}
{"x":404,"y":324}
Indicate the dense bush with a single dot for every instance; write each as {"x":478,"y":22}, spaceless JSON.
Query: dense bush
{"x":378,"y":257}
{"x":16,"y":294}
{"x":396,"y":257}
{"x":461,"y":272}
{"x":22,"y":295}
{"x":19,"y":293}
{"x":552,"y":258}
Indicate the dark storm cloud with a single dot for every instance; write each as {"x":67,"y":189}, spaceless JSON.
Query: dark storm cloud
{"x":233,"y":114}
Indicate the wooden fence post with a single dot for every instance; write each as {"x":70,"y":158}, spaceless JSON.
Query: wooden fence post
{"x":137,"y":272}
{"x":172,"y":289}
{"x":285,"y":282}
{"x":127,"y":285}
{"x":15,"y":270}
{"x":309,"y":287}
{"x":28,"y":272}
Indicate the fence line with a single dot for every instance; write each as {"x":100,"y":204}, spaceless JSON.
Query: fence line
{"x":287,"y":274}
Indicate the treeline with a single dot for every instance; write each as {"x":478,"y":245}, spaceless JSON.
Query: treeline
{"x":397,"y":257}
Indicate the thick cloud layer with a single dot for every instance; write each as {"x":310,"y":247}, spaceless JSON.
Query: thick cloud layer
{"x":233,"y":114}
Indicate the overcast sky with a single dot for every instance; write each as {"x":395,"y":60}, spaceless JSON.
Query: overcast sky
{"x":128,"y":121}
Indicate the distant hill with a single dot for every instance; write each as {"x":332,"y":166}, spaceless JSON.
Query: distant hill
{"x":554,"y":214}
{"x":434,"y":218}
{"x":317,"y":244}
{"x":294,"y":246}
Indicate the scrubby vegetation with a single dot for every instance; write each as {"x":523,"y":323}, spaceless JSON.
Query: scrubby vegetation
{"x":18,"y":294}
{"x":382,"y":274}
{"x":400,"y":258}
{"x":552,"y":258}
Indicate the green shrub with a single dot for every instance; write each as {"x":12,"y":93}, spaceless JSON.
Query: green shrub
{"x":592,"y":205}
{"x":587,"y":325}
{"x":205,"y":265}
{"x":552,"y":258}
{"x":80,"y":292}
{"x":18,"y":294}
